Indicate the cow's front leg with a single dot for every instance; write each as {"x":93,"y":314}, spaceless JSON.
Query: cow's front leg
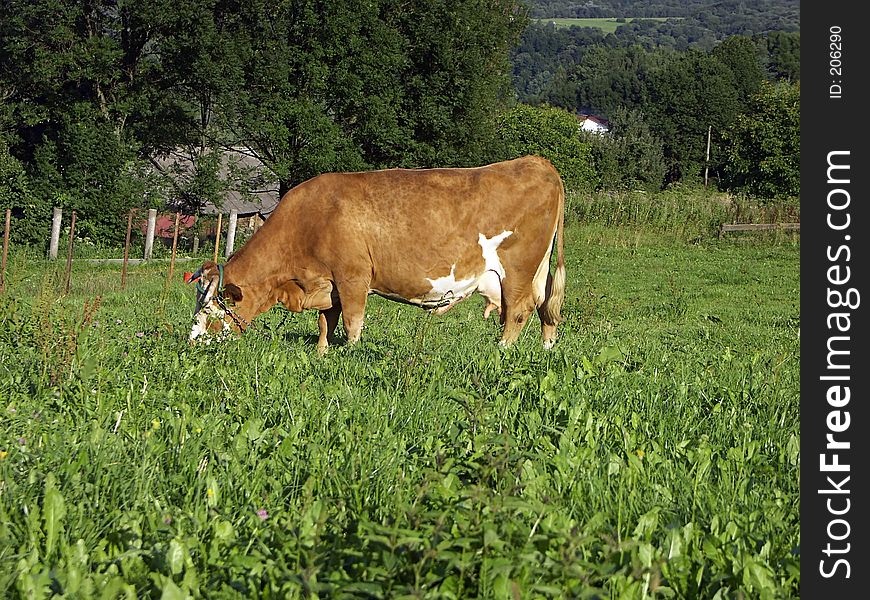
{"x":327,"y":322}
{"x":353,"y":295}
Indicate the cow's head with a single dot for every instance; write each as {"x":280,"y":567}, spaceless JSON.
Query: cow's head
{"x":215,"y":303}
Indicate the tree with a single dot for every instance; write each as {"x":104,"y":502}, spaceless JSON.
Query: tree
{"x":630,"y":156}
{"x":555,"y":134}
{"x":688,"y":94}
{"x":609,"y":78}
{"x":81,"y":84}
{"x":740,"y":58}
{"x":762,"y":147}
{"x":92,"y":90}
{"x":332,"y":86}
{"x":784,"y":51}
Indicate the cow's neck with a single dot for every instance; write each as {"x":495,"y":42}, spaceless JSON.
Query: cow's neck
{"x":259,"y":259}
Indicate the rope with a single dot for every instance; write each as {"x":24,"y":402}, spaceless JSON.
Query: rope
{"x":218,"y":297}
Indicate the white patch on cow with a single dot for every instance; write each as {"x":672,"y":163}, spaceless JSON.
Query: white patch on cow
{"x":489,"y":286}
{"x":198,"y":325}
{"x":208,"y":310}
{"x":490,"y":256}
{"x":448,"y":290}
{"x":539,"y":283}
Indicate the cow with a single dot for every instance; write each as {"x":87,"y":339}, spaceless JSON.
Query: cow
{"x":426,"y":237}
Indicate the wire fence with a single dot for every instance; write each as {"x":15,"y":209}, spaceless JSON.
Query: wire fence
{"x":150,"y":236}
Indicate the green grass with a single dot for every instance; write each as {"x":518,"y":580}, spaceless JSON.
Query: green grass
{"x":607,"y":25}
{"x":653,"y":453}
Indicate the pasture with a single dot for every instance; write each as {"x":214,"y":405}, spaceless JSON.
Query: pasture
{"x":653,"y":453}
{"x":605,"y":24}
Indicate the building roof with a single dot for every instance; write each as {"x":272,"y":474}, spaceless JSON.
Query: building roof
{"x":252,"y":188}
{"x":593,"y":122}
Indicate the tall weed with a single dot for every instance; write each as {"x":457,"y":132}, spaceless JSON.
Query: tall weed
{"x":691,"y":213}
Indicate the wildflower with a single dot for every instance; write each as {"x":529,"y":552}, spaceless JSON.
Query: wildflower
{"x":117,"y":321}
{"x":140,"y":334}
{"x":640,"y":453}
{"x":167,"y":519}
{"x":209,"y":492}
{"x":22,"y":441}
{"x":3,"y":454}
{"x":12,"y":410}
{"x":262,"y":514}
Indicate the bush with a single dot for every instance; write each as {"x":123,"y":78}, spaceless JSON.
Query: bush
{"x":92,"y":170}
{"x":762,"y":148}
{"x":630,"y":156}
{"x":555,"y":134}
{"x":15,"y":192}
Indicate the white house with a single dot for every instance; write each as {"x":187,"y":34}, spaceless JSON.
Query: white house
{"x":593,"y":124}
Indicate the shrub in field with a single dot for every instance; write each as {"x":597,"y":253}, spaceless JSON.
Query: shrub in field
{"x":555,"y":134}
{"x":762,"y":147}
{"x":15,"y":193}
{"x":630,"y":156}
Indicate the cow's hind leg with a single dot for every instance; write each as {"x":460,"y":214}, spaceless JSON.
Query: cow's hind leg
{"x":549,"y":320}
{"x":327,"y":322}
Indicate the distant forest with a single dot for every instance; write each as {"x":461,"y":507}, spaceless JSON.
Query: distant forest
{"x":729,"y":16}
{"x":548,"y":63}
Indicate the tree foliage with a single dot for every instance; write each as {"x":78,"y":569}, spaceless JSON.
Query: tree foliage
{"x":97,"y":89}
{"x":762,"y":147}
{"x":690,"y":94}
{"x":555,"y":134}
{"x":631,"y":155}
{"x":97,"y":94}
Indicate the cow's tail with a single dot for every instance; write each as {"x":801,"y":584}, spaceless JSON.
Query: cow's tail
{"x":556,"y":293}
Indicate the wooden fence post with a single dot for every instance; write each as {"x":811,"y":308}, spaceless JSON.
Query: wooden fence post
{"x":149,"y":234}
{"x":69,"y":252}
{"x":217,"y":237}
{"x":5,"y":250}
{"x":126,"y":249}
{"x":231,"y":232}
{"x":174,"y":245}
{"x":54,"y":241}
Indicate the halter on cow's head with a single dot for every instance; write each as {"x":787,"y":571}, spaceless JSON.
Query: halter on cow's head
{"x":214,"y":301}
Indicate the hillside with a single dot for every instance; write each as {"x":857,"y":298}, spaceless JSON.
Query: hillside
{"x":728,"y":17}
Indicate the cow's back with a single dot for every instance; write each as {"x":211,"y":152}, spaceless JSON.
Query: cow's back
{"x":407,"y":226}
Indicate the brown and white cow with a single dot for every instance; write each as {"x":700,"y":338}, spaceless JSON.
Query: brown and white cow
{"x":427,"y":237}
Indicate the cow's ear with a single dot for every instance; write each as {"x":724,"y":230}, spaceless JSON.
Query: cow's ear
{"x":209,"y":269}
{"x":233,"y":292}
{"x":290,"y":295}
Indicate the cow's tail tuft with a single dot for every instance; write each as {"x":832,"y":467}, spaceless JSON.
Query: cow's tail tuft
{"x":556,"y":293}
